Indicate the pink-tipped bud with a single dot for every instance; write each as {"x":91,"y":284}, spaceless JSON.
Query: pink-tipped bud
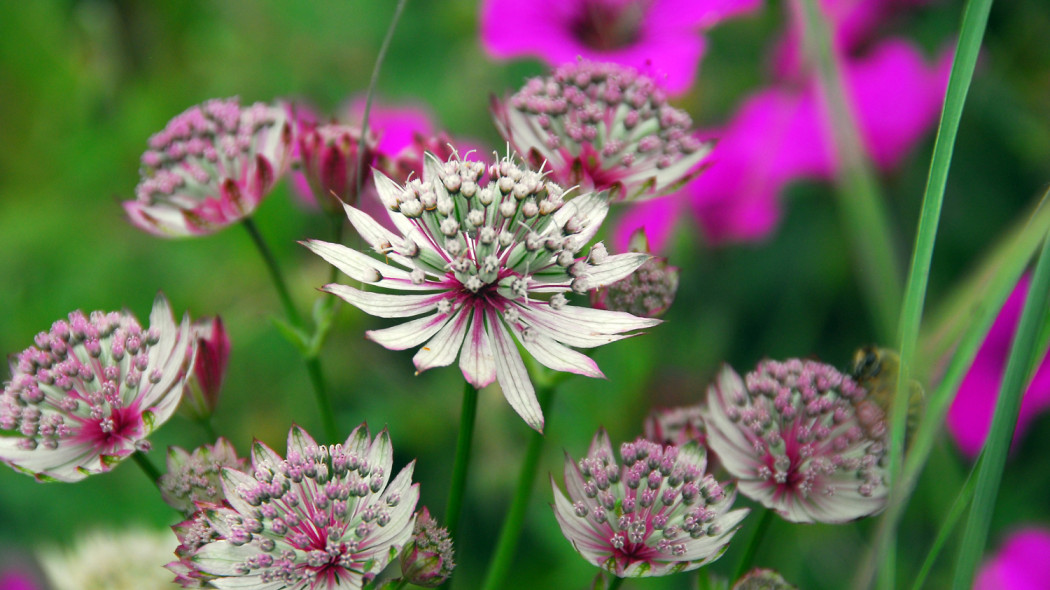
{"x":201,"y":393}
{"x":329,"y":155}
{"x":427,"y":559}
{"x":647,"y":292}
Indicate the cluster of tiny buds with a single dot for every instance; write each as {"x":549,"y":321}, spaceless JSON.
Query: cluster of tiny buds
{"x":816,"y":403}
{"x":610,"y":106}
{"x":660,"y":493}
{"x":326,"y":485}
{"x":193,"y":478}
{"x":647,"y":292}
{"x":217,"y":135}
{"x":79,"y":368}
{"x":495,"y":224}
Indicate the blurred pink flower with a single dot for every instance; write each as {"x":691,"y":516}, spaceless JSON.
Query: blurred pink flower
{"x":659,"y":37}
{"x":783,"y":133}
{"x":14,"y":578}
{"x":1021,"y":563}
{"x":970,"y":416}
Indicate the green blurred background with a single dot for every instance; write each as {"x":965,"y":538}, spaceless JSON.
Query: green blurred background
{"x":83,"y":84}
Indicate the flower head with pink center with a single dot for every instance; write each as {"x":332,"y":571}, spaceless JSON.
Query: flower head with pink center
{"x":487,"y":256}
{"x":970,"y":416}
{"x":91,"y":391}
{"x":326,"y":517}
{"x":801,"y":438}
{"x":657,"y":514}
{"x":194,"y":477}
{"x":602,"y":126}
{"x":210,"y":167}
{"x":662,"y":36}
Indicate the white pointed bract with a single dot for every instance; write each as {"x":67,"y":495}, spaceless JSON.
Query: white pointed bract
{"x":210,"y":167}
{"x":801,"y":438}
{"x":324,"y":518}
{"x":487,"y":256}
{"x":91,"y":391}
{"x":656,"y":515}
{"x":603,"y":126}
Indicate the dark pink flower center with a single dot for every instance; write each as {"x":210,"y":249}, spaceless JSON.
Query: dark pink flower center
{"x":116,"y":432}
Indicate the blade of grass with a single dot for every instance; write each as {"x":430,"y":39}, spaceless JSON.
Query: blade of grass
{"x":1019,"y":369}
{"x":975,"y":19}
{"x":950,"y":520}
{"x":859,"y":203}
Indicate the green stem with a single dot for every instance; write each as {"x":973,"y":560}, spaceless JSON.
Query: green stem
{"x":275,"y":272}
{"x":614,"y":583}
{"x":512,"y":526}
{"x":1019,"y":369}
{"x":312,"y":361}
{"x":950,"y":520}
{"x":462,"y":460}
{"x":371,"y":90}
{"x":753,"y":544}
{"x":860,"y":205}
{"x":148,"y":468}
{"x":209,"y":429}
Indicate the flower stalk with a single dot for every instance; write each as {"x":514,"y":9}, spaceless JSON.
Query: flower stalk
{"x":461,"y":463}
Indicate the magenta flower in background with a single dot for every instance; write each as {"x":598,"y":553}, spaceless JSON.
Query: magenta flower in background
{"x":13,"y":578}
{"x":210,"y":167}
{"x":204,"y":383}
{"x":660,"y":37}
{"x":602,"y":126}
{"x":783,"y":134}
{"x":1020,"y":564}
{"x":326,"y":517}
{"x":487,"y":261}
{"x":970,"y":416}
{"x":801,"y":439}
{"x":92,"y":389}
{"x":658,"y":514}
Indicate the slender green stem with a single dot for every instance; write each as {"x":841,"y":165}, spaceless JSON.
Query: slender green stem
{"x":209,"y":429}
{"x":615,"y":583}
{"x":371,"y":90}
{"x":1019,"y":369}
{"x":148,"y":468}
{"x":462,"y":461}
{"x":950,"y":520}
{"x":313,"y":363}
{"x":860,"y":205}
{"x":511,"y":532}
{"x":753,"y":544}
{"x":275,"y":272}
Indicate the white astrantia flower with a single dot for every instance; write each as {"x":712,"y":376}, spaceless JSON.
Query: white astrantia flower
{"x":129,"y":559}
{"x":325,"y":517}
{"x":91,"y":391}
{"x":801,"y":438}
{"x":487,"y":256}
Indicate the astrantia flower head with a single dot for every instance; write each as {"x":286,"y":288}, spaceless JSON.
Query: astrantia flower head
{"x":194,"y":477}
{"x":762,"y":579}
{"x":656,"y":515}
{"x":91,"y":391}
{"x":801,"y":438}
{"x":488,"y":256}
{"x":210,"y":167}
{"x":604,"y":127}
{"x":325,"y":517}
{"x":676,"y":426}
{"x":130,"y":559}
{"x":209,"y":368}
{"x":427,"y":559}
{"x":329,"y":156}
{"x":647,"y":292}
